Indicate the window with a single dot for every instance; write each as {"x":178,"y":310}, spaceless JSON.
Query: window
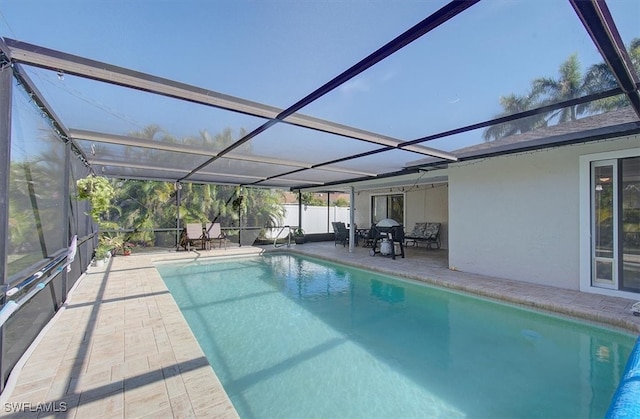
{"x":387,"y":206}
{"x":603,"y":229}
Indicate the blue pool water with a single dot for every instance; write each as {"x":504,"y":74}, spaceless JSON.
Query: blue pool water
{"x":291,"y":337}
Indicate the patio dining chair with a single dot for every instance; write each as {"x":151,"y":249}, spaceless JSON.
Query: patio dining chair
{"x":370,"y":236}
{"x":213,"y":231}
{"x":340,"y":232}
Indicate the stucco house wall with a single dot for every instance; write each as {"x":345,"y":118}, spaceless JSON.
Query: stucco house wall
{"x":517,"y":216}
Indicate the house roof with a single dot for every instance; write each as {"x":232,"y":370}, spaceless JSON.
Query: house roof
{"x":595,"y":127}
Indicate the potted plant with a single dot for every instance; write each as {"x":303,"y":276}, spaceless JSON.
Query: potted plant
{"x":238,"y":203}
{"x":298,"y":235}
{"x":98,"y":191}
{"x":114,"y":243}
{"x":101,"y":252}
{"x":126,"y":248}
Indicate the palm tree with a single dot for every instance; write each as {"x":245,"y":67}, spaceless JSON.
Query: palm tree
{"x":513,"y":104}
{"x":264,"y":207}
{"x":569,"y":85}
{"x":634,"y":54}
{"x":599,"y":77}
{"x":208,"y":202}
{"x":142,"y":206}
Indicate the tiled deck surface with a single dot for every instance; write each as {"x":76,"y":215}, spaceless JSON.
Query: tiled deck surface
{"x":121,"y":347}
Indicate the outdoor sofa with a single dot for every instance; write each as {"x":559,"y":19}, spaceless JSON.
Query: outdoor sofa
{"x":427,"y":233}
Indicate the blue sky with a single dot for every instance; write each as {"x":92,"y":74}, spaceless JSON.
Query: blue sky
{"x":276,"y":52}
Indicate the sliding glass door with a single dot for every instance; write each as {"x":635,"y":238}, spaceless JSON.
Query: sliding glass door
{"x":615,"y":224}
{"x":630,"y":224}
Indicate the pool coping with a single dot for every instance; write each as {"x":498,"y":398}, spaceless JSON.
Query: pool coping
{"x":598,"y":309}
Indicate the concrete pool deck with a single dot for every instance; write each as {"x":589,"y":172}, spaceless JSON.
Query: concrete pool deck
{"x":120,"y":347}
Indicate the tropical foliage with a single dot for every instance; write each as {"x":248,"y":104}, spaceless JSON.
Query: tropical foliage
{"x":98,"y":191}
{"x":143,"y":206}
{"x":570,"y":83}
{"x":319,"y":200}
{"x":341,"y":202}
{"x":312,"y":199}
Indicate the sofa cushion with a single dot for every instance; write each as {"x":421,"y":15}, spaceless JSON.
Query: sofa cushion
{"x":431,"y":230}
{"x":418,"y":230}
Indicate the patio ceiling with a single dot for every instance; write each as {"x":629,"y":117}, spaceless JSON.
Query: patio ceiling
{"x":145,"y":126}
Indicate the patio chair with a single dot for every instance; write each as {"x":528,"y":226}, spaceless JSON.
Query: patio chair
{"x":428,"y":233}
{"x":194,"y":234}
{"x":370,"y":236}
{"x":213,"y":231}
{"x":340,"y":232}
{"x":361,"y":235}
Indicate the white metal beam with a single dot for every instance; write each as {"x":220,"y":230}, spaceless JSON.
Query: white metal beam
{"x":98,"y":137}
{"x":166,"y":169}
{"x":72,"y":64}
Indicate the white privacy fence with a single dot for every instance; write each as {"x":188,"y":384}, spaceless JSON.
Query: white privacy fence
{"x":315,"y":219}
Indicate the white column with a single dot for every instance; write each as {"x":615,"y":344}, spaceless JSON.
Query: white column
{"x":352,"y":217}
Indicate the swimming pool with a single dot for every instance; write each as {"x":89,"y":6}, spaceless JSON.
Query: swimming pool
{"x":296,"y":337}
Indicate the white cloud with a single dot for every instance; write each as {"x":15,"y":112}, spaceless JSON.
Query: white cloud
{"x":363,"y":85}
{"x":355,"y":86}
